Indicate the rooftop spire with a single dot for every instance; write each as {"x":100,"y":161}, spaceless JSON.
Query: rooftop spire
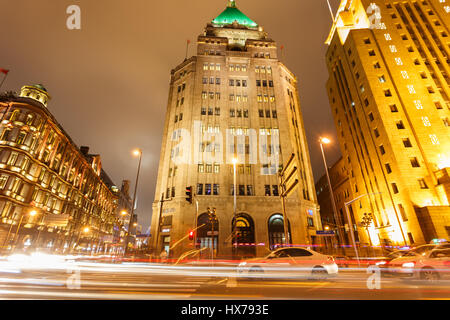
{"x":232,"y":14}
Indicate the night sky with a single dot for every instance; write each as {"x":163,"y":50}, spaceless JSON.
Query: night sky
{"x":109,"y":81}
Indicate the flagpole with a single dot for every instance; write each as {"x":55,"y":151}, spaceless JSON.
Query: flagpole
{"x":331,"y":11}
{"x":4,"y":78}
{"x":187,"y":48}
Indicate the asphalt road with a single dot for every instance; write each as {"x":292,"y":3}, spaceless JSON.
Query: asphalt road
{"x":93,"y":281}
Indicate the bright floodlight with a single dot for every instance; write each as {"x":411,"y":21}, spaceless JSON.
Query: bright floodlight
{"x":325,"y":140}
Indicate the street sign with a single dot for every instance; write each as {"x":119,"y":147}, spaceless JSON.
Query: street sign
{"x":324,"y":233}
{"x":57,"y":220}
{"x":289,"y":176}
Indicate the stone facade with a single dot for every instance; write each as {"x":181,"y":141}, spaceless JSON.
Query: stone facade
{"x":50,"y":190}
{"x":389,"y":94}
{"x":223,"y":103}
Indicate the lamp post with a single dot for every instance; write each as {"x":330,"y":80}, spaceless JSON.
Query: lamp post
{"x":40,"y":229}
{"x":346,"y":204}
{"x":333,"y":203}
{"x":85,"y":230}
{"x":366,"y":222}
{"x":234,"y":238}
{"x":136,"y":153}
{"x":32,"y":214}
{"x":212,"y":219}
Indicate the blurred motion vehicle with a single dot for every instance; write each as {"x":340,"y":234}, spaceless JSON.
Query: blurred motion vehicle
{"x":431,"y":266}
{"x":393,"y":266}
{"x":342,"y":261}
{"x":384,"y":263}
{"x":289,"y":263}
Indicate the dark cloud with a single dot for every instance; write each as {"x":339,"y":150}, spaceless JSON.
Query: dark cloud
{"x":109,"y":81}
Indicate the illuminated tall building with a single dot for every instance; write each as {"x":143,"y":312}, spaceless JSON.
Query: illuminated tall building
{"x":389,"y":91}
{"x":233,"y":98}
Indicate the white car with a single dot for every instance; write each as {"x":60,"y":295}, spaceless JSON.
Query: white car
{"x":289,"y":263}
{"x":432,"y":266}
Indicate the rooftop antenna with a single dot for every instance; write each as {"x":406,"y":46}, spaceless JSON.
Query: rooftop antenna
{"x":331,"y":10}
{"x":187,"y":48}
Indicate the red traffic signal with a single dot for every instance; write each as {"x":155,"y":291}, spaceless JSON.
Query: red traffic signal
{"x":191,"y":235}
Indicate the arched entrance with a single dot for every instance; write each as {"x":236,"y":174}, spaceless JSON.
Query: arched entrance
{"x":244,"y":240}
{"x":276,"y":231}
{"x":207,"y":234}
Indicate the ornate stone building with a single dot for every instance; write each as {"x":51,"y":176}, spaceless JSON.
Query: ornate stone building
{"x":50,"y":190}
{"x":232,"y":100}
{"x":389,"y":90}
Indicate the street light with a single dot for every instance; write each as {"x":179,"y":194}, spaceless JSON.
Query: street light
{"x":346,"y":204}
{"x":138,"y":153}
{"x":85,"y":230}
{"x":366,"y":222}
{"x":32,"y":213}
{"x":212,"y":219}
{"x":323,"y":141}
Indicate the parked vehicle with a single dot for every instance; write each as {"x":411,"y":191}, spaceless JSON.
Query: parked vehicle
{"x":289,"y":263}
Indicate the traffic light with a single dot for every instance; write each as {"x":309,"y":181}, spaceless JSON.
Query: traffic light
{"x":189,"y":194}
{"x":191,"y":235}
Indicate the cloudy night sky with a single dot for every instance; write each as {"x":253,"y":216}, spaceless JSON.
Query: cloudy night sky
{"x":109,"y":81}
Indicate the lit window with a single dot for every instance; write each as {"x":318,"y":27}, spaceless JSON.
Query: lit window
{"x":434,"y":139}
{"x":399,"y":61}
{"x":3,"y":180}
{"x":426,"y":122}
{"x":418,"y":104}
{"x":423,"y":184}
{"x":411,"y":88}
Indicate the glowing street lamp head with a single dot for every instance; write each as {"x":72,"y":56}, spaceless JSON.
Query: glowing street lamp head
{"x":327,"y":227}
{"x":325,"y":140}
{"x":137,"y":152}
{"x":124,"y":213}
{"x":86,"y":229}
{"x":235,"y":160}
{"x":33,"y":213}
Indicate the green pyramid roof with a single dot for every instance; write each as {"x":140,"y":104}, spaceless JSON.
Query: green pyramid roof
{"x":231,"y":14}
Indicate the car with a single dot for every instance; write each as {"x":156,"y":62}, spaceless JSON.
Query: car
{"x":384,"y":263}
{"x":286,"y":263}
{"x":342,"y":261}
{"x":432,"y":266}
{"x":427,"y":247}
